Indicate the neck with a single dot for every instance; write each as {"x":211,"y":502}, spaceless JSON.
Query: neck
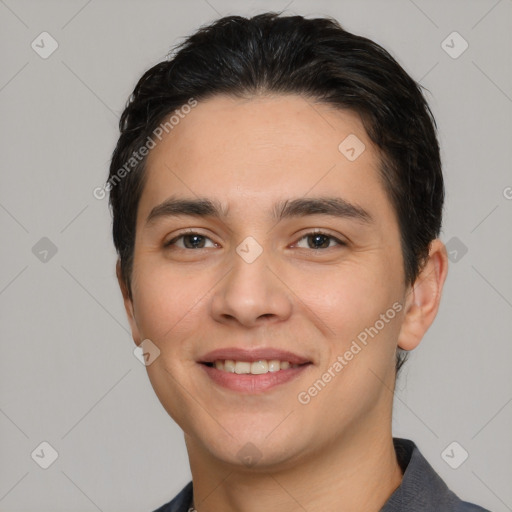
{"x":356,"y":473}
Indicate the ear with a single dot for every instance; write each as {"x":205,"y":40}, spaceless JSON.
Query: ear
{"x":423,"y":298}
{"x":128,"y":304}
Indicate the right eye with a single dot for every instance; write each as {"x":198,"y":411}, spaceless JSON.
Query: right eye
{"x":191,"y":240}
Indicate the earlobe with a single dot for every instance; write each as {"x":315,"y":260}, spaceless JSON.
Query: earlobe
{"x":424,"y":297}
{"x":128,"y":304}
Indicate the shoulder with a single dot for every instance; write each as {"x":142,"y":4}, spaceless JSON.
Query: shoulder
{"x":180,"y":503}
{"x":421,"y":487}
{"x":464,"y":506}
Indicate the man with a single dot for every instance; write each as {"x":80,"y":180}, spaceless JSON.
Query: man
{"x":277,"y":199}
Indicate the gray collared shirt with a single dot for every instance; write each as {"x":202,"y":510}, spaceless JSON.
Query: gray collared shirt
{"x":421,"y":488}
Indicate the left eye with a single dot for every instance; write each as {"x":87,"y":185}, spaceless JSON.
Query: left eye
{"x":319,"y":240}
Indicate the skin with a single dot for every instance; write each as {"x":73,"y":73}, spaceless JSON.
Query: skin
{"x":336,"y":452}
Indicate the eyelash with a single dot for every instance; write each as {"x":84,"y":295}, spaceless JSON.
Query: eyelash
{"x":172,"y":242}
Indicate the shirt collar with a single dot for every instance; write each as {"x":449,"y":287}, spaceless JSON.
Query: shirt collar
{"x":421,"y":487}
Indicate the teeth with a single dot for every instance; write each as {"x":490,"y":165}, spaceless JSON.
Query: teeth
{"x":254,"y":368}
{"x":258,"y":367}
{"x":229,"y":366}
{"x":242,"y":367}
{"x":274,"y":365}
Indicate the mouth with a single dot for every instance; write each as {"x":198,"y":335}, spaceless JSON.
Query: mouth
{"x":254,"y":368}
{"x":252,"y":371}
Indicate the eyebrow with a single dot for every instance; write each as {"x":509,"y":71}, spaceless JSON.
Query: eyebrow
{"x":300,"y":207}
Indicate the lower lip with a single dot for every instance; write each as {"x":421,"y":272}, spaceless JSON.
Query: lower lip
{"x":249,"y":383}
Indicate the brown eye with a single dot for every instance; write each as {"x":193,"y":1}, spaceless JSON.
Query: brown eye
{"x":191,"y":240}
{"x":319,"y":240}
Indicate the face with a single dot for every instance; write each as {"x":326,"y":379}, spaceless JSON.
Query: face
{"x":296,"y":259}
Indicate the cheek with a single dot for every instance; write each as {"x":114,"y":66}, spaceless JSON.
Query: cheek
{"x":163,"y":301}
{"x":361,"y":310}
{"x":350,"y":297}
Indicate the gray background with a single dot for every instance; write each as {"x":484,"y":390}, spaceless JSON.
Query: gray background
{"x":67,"y":371}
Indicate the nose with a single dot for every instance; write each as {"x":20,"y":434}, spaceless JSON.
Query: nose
{"x":252,"y":293}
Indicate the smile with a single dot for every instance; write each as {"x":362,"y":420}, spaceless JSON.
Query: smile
{"x":253,"y":367}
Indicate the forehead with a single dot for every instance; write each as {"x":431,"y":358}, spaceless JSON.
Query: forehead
{"x":288,"y":126}
{"x":261,"y":150}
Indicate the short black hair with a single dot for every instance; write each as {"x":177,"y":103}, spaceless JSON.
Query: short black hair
{"x":318,"y":59}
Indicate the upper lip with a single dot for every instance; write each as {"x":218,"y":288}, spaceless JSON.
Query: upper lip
{"x":250,"y":355}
